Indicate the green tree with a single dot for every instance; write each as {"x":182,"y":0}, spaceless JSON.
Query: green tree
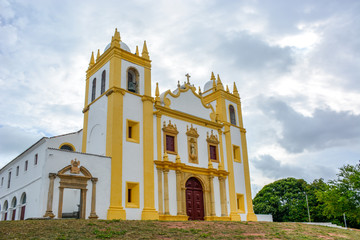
{"x":284,"y":199}
{"x":343,"y":196}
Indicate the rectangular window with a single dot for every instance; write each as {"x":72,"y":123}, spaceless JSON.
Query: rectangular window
{"x":236,"y":153}
{"x":36,"y":159}
{"x":17,"y":171}
{"x":9,"y":180}
{"x":132,"y":131}
{"x":2,"y":181}
{"x":170,"y":143}
{"x":213,"y":152}
{"x":26,"y":165}
{"x":132,"y":195}
{"x":240,"y":203}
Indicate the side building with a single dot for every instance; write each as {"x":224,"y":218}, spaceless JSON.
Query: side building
{"x":180,"y":155}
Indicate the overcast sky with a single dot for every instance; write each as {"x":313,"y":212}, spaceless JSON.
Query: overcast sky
{"x":295,"y":63}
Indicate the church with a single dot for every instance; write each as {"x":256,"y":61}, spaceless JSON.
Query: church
{"x":144,"y":155}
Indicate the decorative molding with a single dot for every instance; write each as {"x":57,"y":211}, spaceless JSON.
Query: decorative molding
{"x":75,"y":166}
{"x":170,"y":128}
{"x":212,"y":138}
{"x":192,"y":132}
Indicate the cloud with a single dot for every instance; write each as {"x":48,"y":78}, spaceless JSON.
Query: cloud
{"x":324,"y":129}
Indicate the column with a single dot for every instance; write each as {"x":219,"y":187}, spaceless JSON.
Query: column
{"x":166,"y":192}
{"x":49,"y":212}
{"x":160,"y":192}
{"x":93,"y":199}
{"x":61,"y":194}
{"x":178,"y":193}
{"x":83,"y":203}
{"x":212,"y":199}
{"x":223,"y":196}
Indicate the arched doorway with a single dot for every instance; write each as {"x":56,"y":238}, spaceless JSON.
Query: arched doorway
{"x":194,"y":199}
{"x":22,"y":208}
{"x":5,"y":210}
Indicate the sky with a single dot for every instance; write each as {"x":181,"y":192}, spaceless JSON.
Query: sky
{"x":295,"y":64}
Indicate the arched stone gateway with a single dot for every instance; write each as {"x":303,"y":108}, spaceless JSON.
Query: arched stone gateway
{"x":194,"y":199}
{"x":72,"y":177}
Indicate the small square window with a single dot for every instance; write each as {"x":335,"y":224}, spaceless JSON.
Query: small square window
{"x":132,"y":195}
{"x":236,"y":153}
{"x":132,"y":131}
{"x":240,"y":203}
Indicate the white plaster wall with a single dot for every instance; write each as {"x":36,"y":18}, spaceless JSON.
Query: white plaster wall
{"x":187,"y":102}
{"x":98,"y":166}
{"x":97,"y":75}
{"x":124,"y":67}
{"x":217,"y":196}
{"x":97,"y":119}
{"x":133,"y":170}
{"x":172,"y":193}
{"x":74,"y":138}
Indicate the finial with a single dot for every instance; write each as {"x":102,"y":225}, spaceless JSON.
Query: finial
{"x":157,"y":94}
{"x":188,"y":77}
{"x":137,"y":51}
{"x":165,"y":157}
{"x":235,"y":91}
{"x":115,"y":40}
{"x":98,"y":54}
{"x":213,"y":79}
{"x":227,"y":88}
{"x":199,"y":91}
{"x":178,"y":85}
{"x":219,"y":83}
{"x":92,"y":61}
{"x":177,"y":159}
{"x":145,"y":53}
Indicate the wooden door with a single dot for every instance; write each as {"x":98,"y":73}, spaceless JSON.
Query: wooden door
{"x":194,"y":199}
{"x":22,"y":214}
{"x":13,"y":214}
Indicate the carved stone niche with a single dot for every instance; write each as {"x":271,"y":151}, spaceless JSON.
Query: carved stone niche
{"x":192,"y":136}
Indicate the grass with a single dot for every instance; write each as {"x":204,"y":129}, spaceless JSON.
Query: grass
{"x":117,"y":229}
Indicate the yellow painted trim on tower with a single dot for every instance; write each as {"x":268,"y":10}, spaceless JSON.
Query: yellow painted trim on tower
{"x":86,"y":117}
{"x":187,"y":117}
{"x":220,"y":94}
{"x":158,"y":136}
{"x":149,"y":212}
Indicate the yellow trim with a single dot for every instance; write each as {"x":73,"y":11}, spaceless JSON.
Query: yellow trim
{"x":173,"y":218}
{"x":190,"y":169}
{"x":149,"y":212}
{"x":135,"y":131}
{"x":67,"y":143}
{"x":187,"y":117}
{"x":114,"y":142}
{"x":135,"y":195}
{"x":215,"y":218}
{"x":240,"y":203}
{"x":158,"y":136}
{"x":220,"y":94}
{"x":236,"y":154}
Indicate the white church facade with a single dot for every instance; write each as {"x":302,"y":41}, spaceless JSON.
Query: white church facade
{"x":180,"y":155}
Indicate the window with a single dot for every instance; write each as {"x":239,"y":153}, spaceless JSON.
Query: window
{"x":9,"y":180}
{"x":232,"y":115}
{"x":35,"y":159}
{"x":93,"y":91}
{"x":67,"y":146}
{"x":26,"y":165}
{"x":133,"y":80}
{"x":17,"y":171}
{"x":13,"y":206}
{"x":103,"y":77}
{"x":132,"y":195}
{"x":240,"y":203}
{"x":236,"y":153}
{"x":5,"y":210}
{"x":132,"y":131}
{"x":2,"y":181}
{"x":170,"y":137}
{"x":213,"y":143}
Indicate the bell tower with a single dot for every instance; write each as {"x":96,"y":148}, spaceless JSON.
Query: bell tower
{"x":118,"y":115}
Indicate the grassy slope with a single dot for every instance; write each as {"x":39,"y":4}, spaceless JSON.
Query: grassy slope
{"x":116,"y":229}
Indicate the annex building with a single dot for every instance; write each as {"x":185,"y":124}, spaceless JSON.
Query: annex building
{"x":179,"y":155}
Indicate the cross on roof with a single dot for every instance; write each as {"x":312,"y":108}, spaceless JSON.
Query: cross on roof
{"x":187,"y":76}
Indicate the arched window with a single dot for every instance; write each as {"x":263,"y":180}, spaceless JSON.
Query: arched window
{"x":93,"y":91}
{"x":66,"y":146}
{"x":22,"y":209}
{"x":13,"y":206}
{"x":5,"y":210}
{"x":133,"y":80}
{"x":232,"y":115}
{"x":103,"y":77}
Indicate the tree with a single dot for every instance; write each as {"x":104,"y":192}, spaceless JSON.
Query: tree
{"x":284,"y":199}
{"x":343,"y":195}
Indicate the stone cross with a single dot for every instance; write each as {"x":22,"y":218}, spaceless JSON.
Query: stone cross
{"x":187,"y":76}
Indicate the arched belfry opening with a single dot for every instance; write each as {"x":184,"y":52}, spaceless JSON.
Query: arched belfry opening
{"x":132,"y":80}
{"x":76,"y":178}
{"x":194,"y":199}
